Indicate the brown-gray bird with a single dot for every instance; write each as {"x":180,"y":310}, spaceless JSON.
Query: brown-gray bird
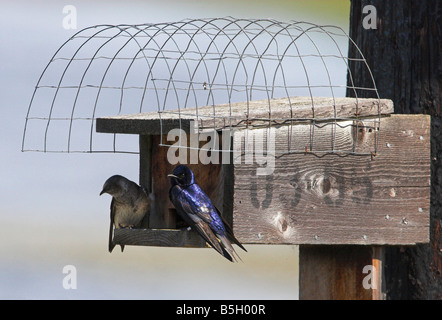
{"x":130,"y":203}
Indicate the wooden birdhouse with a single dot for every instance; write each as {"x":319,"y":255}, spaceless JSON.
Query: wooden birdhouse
{"x":306,"y":197}
{"x":255,"y":109}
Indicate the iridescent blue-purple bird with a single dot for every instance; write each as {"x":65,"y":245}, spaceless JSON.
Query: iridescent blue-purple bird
{"x":195,"y":207}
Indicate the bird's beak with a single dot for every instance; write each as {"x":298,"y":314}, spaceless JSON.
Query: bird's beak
{"x":102,"y":191}
{"x":172,"y":176}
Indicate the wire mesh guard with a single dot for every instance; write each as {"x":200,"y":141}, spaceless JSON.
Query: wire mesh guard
{"x":200,"y":68}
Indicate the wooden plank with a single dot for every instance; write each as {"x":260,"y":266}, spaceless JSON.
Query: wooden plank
{"x":161,"y":216}
{"x":340,"y":200}
{"x":207,"y":176}
{"x":145,"y":144}
{"x":342,"y":272}
{"x":158,"y":238}
{"x":334,"y":272}
{"x":245,"y":114}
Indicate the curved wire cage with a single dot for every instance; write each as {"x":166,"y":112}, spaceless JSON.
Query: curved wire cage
{"x":177,"y":68}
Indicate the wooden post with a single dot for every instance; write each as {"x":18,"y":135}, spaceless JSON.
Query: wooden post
{"x":404,"y":53}
{"x":340,"y":273}
{"x":333,"y":272}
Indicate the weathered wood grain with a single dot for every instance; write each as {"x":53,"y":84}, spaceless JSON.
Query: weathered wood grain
{"x":208,"y":177}
{"x":158,"y":238}
{"x":340,"y":200}
{"x":145,"y":174}
{"x":244,"y":114}
{"x":334,"y":272}
{"x":378,"y":285}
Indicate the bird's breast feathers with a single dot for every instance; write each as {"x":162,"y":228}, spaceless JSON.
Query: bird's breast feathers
{"x":128,"y":215}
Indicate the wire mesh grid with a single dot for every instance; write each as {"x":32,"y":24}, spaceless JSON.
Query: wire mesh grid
{"x":199,"y":69}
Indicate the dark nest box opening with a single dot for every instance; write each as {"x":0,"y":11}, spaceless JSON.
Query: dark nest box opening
{"x":297,"y":162}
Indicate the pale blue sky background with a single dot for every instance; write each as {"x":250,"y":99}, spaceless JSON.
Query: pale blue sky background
{"x":50,"y":211}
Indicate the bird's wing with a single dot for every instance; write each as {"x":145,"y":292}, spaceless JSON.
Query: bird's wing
{"x":197,"y":209}
{"x":199,"y":203}
{"x":190,"y":200}
{"x":111,"y":227}
{"x":186,"y":208}
{"x":229,"y":232}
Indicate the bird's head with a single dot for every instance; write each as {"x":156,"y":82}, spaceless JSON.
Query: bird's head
{"x":114,"y":185}
{"x":181,"y":176}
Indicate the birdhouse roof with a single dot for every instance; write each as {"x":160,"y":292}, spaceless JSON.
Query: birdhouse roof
{"x":247,"y":114}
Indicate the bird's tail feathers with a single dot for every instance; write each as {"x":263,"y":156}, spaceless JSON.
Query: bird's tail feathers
{"x":229,"y":248}
{"x":220,"y":249}
{"x":229,"y":231}
{"x":111,"y":243}
{"x":235,"y":241}
{"x":208,"y":235}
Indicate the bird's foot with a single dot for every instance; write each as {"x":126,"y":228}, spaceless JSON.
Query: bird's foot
{"x":126,"y":226}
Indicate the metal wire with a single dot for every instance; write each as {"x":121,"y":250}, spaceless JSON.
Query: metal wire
{"x":179,"y":67}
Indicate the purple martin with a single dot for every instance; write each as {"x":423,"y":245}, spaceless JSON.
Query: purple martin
{"x":130,"y":203}
{"x":195,"y":207}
